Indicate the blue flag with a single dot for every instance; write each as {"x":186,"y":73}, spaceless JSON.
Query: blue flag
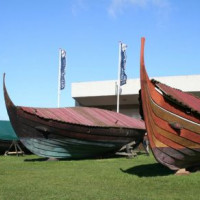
{"x":123,"y":76}
{"x":62,"y":69}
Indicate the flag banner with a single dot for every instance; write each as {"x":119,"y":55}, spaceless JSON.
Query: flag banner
{"x":123,"y":76}
{"x":62,"y":69}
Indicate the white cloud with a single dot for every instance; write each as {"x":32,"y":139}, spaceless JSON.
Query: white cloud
{"x":78,"y":6}
{"x":119,"y":6}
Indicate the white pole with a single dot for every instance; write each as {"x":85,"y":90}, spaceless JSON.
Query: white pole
{"x":59,"y":68}
{"x":119,"y":71}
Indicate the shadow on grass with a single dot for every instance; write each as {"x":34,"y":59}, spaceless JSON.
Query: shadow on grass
{"x":35,"y":160}
{"x":50,"y":159}
{"x":149,"y":170}
{"x":56,"y":159}
{"x":70,"y":159}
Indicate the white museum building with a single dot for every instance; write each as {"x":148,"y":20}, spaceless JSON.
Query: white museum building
{"x":103,"y":94}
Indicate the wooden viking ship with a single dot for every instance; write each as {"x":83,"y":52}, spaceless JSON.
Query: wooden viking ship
{"x":77,"y":132}
{"x":172,"y":119}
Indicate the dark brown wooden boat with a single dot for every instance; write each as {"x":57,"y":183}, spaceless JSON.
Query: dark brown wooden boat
{"x":77,"y":132}
{"x":172,"y":119}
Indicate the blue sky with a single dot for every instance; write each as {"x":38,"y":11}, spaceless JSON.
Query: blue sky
{"x":31,"y":33}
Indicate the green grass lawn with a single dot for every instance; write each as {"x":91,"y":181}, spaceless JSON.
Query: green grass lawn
{"x":30,"y":177}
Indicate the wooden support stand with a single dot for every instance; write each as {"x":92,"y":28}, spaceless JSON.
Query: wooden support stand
{"x":16,"y":149}
{"x":182,"y":172}
{"x":127,"y":150}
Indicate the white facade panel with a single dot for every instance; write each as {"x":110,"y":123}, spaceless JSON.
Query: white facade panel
{"x":103,"y":94}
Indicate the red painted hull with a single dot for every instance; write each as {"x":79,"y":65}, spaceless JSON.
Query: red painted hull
{"x":172,"y":119}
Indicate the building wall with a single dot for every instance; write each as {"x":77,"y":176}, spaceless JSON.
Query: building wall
{"x":103,"y":94}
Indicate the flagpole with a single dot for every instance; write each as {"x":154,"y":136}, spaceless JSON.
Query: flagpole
{"x":59,"y":72}
{"x":119,"y":71}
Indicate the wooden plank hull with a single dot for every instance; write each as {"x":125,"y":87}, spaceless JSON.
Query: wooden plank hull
{"x":68,"y":148}
{"x":59,"y":139}
{"x":173,"y":133}
{"x":70,"y":141}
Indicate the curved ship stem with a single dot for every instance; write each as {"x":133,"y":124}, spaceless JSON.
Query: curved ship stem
{"x":174,"y":134}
